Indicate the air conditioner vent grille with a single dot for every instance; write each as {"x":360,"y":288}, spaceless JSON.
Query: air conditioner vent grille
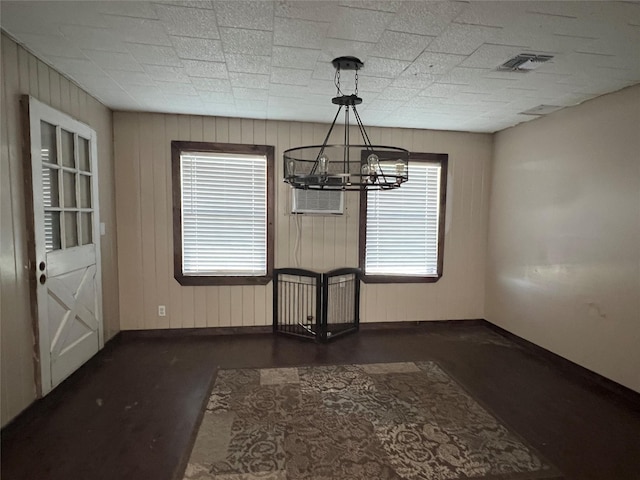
{"x":524,"y":62}
{"x":319,"y":202}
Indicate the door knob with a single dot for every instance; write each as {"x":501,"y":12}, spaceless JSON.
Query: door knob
{"x":43,"y":278}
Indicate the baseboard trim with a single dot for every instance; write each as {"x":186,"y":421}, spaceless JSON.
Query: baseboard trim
{"x":194,"y":332}
{"x":256,"y":330}
{"x":421,"y":324}
{"x":610,"y":388}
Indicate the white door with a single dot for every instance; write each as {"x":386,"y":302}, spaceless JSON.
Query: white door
{"x":65,"y":256}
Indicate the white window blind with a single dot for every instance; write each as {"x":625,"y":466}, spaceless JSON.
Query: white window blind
{"x":224,"y":214}
{"x":402,"y":225}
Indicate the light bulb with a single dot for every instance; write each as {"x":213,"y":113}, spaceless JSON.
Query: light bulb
{"x":291,"y":168}
{"x":365,"y":173}
{"x":323,"y":163}
{"x":400,"y":169}
{"x":372,"y":161}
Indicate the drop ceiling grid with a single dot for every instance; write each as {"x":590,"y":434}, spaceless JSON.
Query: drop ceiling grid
{"x":427,"y":63}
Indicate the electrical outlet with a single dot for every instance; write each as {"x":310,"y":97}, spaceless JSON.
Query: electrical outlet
{"x":162,"y":311}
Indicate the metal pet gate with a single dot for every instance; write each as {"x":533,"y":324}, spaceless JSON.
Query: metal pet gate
{"x":316,"y":306}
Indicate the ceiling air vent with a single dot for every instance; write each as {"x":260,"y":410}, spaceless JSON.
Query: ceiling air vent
{"x":524,"y":62}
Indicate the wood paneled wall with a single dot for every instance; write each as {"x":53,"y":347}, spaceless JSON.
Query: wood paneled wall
{"x":23,"y":73}
{"x":144,"y":216}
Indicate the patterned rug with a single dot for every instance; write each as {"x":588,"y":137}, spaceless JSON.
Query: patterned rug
{"x":387,"y":421}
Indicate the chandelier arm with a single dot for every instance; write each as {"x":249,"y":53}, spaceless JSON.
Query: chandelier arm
{"x":365,"y":137}
{"x":326,"y":139}
{"x":363,"y":132}
{"x":345,"y":157}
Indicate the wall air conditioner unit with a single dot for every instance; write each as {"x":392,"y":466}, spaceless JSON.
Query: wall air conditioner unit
{"x":318,"y":202}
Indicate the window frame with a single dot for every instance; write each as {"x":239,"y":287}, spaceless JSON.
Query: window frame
{"x":443,"y":160}
{"x":177,"y":148}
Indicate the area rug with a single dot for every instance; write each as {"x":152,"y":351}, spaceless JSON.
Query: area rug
{"x":388,"y":421}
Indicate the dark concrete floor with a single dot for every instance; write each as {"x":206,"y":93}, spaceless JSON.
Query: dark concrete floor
{"x":131,"y":411}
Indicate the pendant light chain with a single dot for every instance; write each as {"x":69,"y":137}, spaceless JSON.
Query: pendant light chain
{"x":356,"y":81}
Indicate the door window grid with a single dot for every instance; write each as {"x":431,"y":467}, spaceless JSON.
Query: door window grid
{"x":66,"y":178}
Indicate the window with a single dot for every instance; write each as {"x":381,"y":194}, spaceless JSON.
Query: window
{"x":402,"y":230}
{"x":222,"y":213}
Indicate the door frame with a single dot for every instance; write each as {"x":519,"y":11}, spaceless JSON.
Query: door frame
{"x":33,"y":111}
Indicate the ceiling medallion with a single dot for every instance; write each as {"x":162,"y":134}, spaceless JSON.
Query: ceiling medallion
{"x":346,"y":166}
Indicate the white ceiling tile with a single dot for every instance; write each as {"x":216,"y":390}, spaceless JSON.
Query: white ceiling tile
{"x":318,"y":11}
{"x":198,"y":48}
{"x":154,"y":55}
{"x":414,"y":80}
{"x":182,"y":102}
{"x":299,"y":33}
{"x":186,"y":21}
{"x":373,"y":84}
{"x":242,"y":14}
{"x":385,"y":105}
{"x":491,"y":13}
{"x":305,"y":58}
{"x":249,"y":80}
{"x":102,"y":82}
{"x":401,"y":46}
{"x":166,"y":74}
{"x":462,"y":39}
{"x":94,"y":38}
{"x":217,"y":97}
{"x":442,"y":90}
{"x":189,"y":3}
{"x":288,"y":91}
{"x":359,"y":25}
{"x":323,"y":87}
{"x":114,"y":60}
{"x":131,"y":78}
{"x":425,"y":18}
{"x":384,"y":67}
{"x":211,"y":84}
{"x":258,"y":94}
{"x":435,"y":63}
{"x":74,"y":66}
{"x":290,"y":76}
{"x":175,"y":88}
{"x":399,"y":94}
{"x":24,"y":18}
{"x":255,"y":42}
{"x":198,"y":68}
{"x":54,"y":45}
{"x":127,"y":9}
{"x":380,"y":5}
{"x":248,"y":63}
{"x":138,"y":30}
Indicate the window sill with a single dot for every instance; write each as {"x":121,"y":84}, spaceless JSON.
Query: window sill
{"x":195,"y":280}
{"x":400,"y":279}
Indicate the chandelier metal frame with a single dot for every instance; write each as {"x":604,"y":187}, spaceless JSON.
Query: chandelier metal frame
{"x":345,"y":166}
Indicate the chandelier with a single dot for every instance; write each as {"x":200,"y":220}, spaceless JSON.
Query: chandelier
{"x":346,"y":166}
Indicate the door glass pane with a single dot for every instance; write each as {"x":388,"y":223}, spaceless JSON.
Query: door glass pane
{"x":67,"y":149}
{"x":85,"y":224}
{"x":48,"y":148}
{"x":83,"y":154}
{"x":69,"y":189}
{"x":50,"y":187}
{"x":85,"y":191}
{"x":52,"y":231}
{"x":70,"y":229}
